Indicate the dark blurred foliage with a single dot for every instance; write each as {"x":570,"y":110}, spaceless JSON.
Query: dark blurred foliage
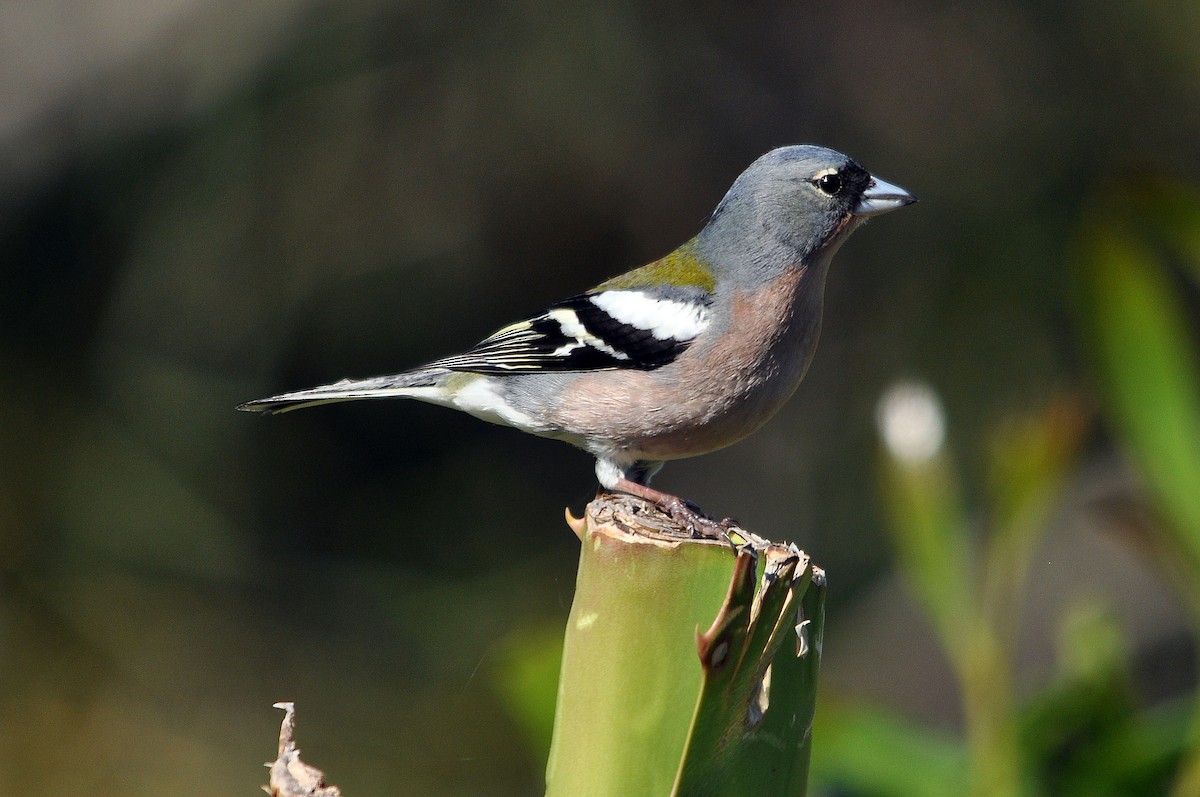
{"x":208,"y":201}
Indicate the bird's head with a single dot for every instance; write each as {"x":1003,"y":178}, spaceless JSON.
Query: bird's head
{"x":795,"y":201}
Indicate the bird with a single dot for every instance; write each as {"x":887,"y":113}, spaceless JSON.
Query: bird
{"x":677,"y":358}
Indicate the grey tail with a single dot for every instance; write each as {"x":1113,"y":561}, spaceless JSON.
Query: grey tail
{"x":422,"y":384}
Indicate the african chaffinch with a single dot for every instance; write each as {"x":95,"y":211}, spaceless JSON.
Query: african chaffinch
{"x":680,"y":357}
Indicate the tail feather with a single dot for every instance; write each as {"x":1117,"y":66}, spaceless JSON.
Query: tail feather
{"x":423,"y":384}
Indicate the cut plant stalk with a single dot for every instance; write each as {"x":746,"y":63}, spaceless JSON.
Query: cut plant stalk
{"x":689,"y":664}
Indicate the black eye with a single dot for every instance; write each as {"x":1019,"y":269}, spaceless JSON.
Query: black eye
{"x":829,"y":183}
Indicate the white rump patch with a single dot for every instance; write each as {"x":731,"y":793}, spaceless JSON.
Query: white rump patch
{"x":662,"y":318}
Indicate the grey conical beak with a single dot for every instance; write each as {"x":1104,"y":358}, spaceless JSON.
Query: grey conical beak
{"x":881,"y":197}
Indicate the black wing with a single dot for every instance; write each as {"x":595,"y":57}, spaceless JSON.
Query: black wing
{"x":601,"y":330}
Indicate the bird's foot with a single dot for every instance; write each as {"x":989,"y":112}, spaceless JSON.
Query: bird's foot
{"x":691,"y":517}
{"x":684,"y":513}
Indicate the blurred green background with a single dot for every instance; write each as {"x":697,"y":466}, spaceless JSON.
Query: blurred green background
{"x":207,"y":201}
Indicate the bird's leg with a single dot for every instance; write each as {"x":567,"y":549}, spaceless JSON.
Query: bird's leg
{"x":683,"y":512}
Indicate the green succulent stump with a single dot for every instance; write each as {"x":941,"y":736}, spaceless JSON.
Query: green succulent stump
{"x":689,"y":665}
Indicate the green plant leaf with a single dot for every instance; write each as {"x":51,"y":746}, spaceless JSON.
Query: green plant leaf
{"x":1148,"y":369}
{"x":1134,"y":322}
{"x":647,"y":703}
{"x":630,"y":676}
{"x":751,"y":733}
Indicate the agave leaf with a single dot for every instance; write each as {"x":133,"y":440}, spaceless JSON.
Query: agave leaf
{"x":649,"y":704}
